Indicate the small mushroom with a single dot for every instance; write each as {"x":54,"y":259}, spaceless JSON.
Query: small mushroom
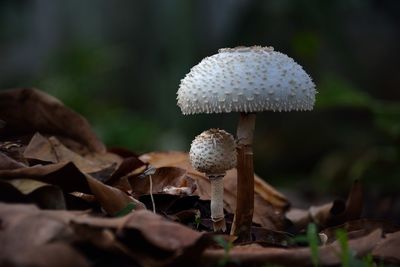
{"x":214,"y":152}
{"x":246,"y":80}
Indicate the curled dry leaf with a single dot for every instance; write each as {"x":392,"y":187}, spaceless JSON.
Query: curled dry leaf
{"x":40,"y":149}
{"x":254,"y":255}
{"x":27,"y":235}
{"x":169,"y":204}
{"x":51,"y":150}
{"x":47,"y":255}
{"x":266,"y":237}
{"x":68,"y":177}
{"x":13,"y":148}
{"x":387,"y":249}
{"x":330,"y":214}
{"x":136,"y":237}
{"x":359,"y":228}
{"x":163,"y":179}
{"x":25,"y":190}
{"x":269,"y":205}
{"x":64,"y":175}
{"x":128,"y":165}
{"x":28,"y":110}
{"x":7,"y":163}
{"x":112,"y":199}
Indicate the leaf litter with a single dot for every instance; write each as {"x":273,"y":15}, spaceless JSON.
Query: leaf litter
{"x":65,"y":200}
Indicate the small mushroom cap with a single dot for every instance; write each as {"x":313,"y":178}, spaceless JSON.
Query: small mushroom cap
{"x":246,"y":79}
{"x":213,"y":152}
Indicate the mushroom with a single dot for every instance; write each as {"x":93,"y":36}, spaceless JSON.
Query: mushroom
{"x":213,"y":152}
{"x":246,"y":80}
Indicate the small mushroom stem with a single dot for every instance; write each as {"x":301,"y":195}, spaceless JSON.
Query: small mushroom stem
{"x":242,"y":221}
{"x":217,"y":202}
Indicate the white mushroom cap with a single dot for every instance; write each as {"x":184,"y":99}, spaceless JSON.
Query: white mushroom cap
{"x":246,"y":79}
{"x":213,"y":152}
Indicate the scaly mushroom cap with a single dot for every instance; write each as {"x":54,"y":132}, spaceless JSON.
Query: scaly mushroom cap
{"x":213,"y":152}
{"x":246,"y":79}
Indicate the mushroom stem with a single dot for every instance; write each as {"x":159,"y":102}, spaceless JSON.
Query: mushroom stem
{"x":242,"y":221}
{"x":217,"y":202}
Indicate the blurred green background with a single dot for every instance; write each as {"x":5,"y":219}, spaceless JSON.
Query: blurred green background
{"x":119,"y":63}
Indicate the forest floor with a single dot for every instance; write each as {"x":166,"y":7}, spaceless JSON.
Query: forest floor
{"x":67,"y":200}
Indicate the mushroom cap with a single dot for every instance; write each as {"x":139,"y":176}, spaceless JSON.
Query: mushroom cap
{"x":213,"y":152}
{"x":246,"y":79}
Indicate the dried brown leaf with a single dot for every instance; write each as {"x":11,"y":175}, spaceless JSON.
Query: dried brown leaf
{"x":254,"y":255}
{"x":360,"y":227}
{"x":330,"y":214}
{"x":127,"y":165}
{"x":10,"y":194}
{"x":112,"y":199}
{"x":165,"y":234}
{"x":7,"y":163}
{"x":267,"y":237}
{"x":51,"y":150}
{"x":47,"y":255}
{"x":169,"y":204}
{"x":65,"y":175}
{"x":140,"y":237}
{"x":14,"y":148}
{"x":269,"y":205}
{"x":29,"y":238}
{"x":387,"y":249}
{"x":29,"y":110}
{"x":148,"y":238}
{"x":40,"y":149}
{"x":68,"y":177}
{"x":162,"y":180}
{"x":25,"y":190}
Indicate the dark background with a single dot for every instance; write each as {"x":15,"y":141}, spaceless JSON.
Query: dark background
{"x":119,"y":64}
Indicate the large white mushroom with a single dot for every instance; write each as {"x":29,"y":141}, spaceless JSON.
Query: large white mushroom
{"x":246,"y":80}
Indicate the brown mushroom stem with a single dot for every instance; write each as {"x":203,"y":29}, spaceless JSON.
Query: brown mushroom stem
{"x":217,"y":202}
{"x":241,"y":226}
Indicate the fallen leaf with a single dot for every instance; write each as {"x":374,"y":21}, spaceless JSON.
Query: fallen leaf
{"x":267,"y":237}
{"x":151,"y":239}
{"x":47,"y":255}
{"x":139,"y":237}
{"x":31,"y":237}
{"x":44,"y":195}
{"x":22,"y":228}
{"x":51,"y":150}
{"x":13,"y":148}
{"x":168,"y":204}
{"x":111,"y":199}
{"x":7,"y":163}
{"x":186,"y":217}
{"x":360,"y":227}
{"x":122,"y":152}
{"x":166,"y":159}
{"x":40,"y":149}
{"x":255,"y":255}
{"x":10,"y":194}
{"x":64,"y":175}
{"x":68,"y":177}
{"x":29,"y":110}
{"x":352,"y":209}
{"x":387,"y":249}
{"x":63,"y":154}
{"x":269,"y":204}
{"x":330,"y":214}
{"x":163,"y":178}
{"x":128,"y":165}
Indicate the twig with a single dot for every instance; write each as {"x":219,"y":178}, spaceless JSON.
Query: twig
{"x":151,"y":194}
